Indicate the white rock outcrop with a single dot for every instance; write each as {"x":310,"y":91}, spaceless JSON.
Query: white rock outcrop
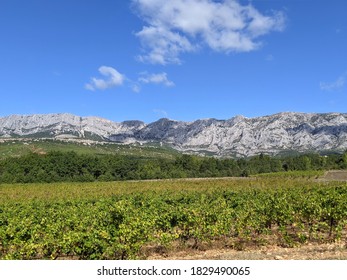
{"x":238,"y":136}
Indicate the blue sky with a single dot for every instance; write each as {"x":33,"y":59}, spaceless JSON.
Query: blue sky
{"x":182,"y":59}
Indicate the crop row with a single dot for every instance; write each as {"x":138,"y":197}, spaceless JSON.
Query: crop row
{"x":122,"y":226}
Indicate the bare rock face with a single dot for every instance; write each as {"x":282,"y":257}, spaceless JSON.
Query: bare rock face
{"x":53,"y":125}
{"x":238,"y":136}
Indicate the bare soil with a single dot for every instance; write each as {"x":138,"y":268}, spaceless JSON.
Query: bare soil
{"x":334,"y":251}
{"x":334,"y":175}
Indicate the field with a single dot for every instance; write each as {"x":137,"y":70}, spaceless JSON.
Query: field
{"x":154,"y":219}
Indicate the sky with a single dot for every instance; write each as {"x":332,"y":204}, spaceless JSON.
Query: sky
{"x":180,"y":59}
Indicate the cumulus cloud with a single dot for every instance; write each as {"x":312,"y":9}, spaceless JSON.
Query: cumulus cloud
{"x":181,"y":26}
{"x":112,"y":79}
{"x":160,"y":78}
{"x":336,"y":85}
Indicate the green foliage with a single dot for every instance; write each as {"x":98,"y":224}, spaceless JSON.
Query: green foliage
{"x":70,"y":166}
{"x":310,"y":174}
{"x":21,"y":147}
{"x":120,"y":220}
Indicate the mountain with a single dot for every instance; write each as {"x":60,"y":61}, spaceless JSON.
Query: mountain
{"x":64,"y":126}
{"x":238,"y":136}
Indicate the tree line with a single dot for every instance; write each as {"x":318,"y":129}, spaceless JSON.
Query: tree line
{"x":70,"y":166}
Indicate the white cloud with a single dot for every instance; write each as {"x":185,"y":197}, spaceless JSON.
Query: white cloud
{"x":160,"y":78}
{"x":136,"y":88}
{"x":112,"y":79}
{"x":269,"y":57}
{"x":164,"y":45}
{"x":336,"y":85}
{"x":181,"y":26}
{"x":160,"y":112}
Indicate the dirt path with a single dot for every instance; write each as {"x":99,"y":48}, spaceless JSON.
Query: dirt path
{"x":335,"y":251}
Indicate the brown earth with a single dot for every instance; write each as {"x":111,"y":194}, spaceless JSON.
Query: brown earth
{"x":334,"y":251}
{"x":335,"y":175}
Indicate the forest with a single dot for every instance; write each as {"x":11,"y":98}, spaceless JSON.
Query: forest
{"x":57,"y":166}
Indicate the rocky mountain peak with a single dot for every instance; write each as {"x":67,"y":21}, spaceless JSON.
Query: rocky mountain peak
{"x":238,"y":136}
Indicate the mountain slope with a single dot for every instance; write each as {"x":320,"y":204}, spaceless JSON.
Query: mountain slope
{"x":238,"y":136}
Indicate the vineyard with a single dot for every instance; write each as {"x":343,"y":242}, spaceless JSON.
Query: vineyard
{"x":133,"y":219}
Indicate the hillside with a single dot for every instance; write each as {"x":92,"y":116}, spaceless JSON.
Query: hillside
{"x":16,"y":147}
